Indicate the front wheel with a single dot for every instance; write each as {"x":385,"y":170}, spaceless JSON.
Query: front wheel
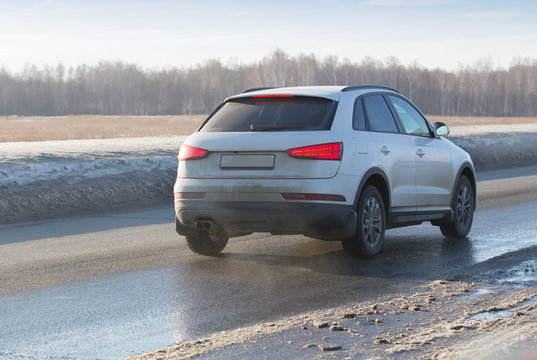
{"x":371,"y":225}
{"x":203,"y":243}
{"x":463,"y":210}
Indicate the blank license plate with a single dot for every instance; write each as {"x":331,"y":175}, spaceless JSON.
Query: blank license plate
{"x":247,"y":161}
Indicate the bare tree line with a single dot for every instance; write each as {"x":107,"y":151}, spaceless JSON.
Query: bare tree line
{"x":115,"y":88}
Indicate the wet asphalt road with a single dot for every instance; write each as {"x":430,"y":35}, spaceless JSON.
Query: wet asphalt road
{"x":110,"y":286}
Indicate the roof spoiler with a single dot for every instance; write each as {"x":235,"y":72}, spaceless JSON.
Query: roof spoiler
{"x":259,"y":88}
{"x":362,"y":87}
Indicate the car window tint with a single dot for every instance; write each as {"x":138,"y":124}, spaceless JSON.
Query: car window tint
{"x":299,"y":113}
{"x":412,"y":120}
{"x":358,"y":121}
{"x":379,"y":115}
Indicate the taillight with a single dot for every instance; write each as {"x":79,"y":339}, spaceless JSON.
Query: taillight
{"x":332,"y":151}
{"x":187,"y":152}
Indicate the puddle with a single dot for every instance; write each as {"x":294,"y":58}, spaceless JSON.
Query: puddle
{"x":477,"y":294}
{"x":484,"y":316}
{"x":501,"y":314}
{"x":524,"y":274}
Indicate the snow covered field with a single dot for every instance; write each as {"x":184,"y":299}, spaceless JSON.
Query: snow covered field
{"x":56,"y":178}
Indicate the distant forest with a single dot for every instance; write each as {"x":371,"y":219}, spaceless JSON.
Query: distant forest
{"x":116,"y":88}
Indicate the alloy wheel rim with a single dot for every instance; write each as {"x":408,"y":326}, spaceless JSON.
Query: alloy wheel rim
{"x":464,"y":206}
{"x":372,"y":221}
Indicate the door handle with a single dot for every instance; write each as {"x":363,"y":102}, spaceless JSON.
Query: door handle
{"x":385,"y":150}
{"x":420,"y":153}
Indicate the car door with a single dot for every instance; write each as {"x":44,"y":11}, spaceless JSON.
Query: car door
{"x":395,"y":152}
{"x":433,"y":158}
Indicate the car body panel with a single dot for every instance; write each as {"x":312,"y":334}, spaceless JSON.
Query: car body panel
{"x":264,"y":144}
{"x":397,"y":159}
{"x":268,"y":189}
{"x":322,"y":221}
{"x":434,"y":172}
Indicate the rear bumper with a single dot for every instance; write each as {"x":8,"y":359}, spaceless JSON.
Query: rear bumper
{"x":318,"y":220}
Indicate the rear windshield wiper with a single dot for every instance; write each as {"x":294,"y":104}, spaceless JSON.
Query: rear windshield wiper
{"x":274,"y":128}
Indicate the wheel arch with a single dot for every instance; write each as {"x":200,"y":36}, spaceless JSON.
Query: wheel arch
{"x":376,"y":177}
{"x":467,"y":170}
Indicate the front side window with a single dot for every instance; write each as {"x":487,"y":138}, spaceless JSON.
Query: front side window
{"x":379,"y":116}
{"x":297,"y":113}
{"x":412,"y":120}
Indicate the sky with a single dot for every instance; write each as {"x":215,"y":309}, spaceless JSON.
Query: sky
{"x":446,"y":34}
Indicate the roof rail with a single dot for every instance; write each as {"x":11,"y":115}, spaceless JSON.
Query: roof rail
{"x":258,"y":89}
{"x":360,"y":87}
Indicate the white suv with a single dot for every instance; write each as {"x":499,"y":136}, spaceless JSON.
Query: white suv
{"x":329,"y":162}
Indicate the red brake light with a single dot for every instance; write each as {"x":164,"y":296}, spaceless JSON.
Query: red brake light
{"x":332,"y":151}
{"x":187,"y":152}
{"x":272,"y":96}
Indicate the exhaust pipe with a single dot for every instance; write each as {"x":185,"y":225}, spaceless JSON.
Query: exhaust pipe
{"x":206,"y":225}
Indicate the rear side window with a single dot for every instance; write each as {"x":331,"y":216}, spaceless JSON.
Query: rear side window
{"x":358,"y":120}
{"x":379,"y":116}
{"x":297,"y":113}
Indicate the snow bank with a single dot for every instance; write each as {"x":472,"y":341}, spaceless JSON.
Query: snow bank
{"x":56,"y":178}
{"x":496,"y":150}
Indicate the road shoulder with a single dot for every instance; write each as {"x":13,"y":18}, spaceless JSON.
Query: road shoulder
{"x":445,"y":319}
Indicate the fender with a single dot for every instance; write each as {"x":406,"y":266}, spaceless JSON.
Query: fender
{"x":465,"y":165}
{"x":365,"y":178}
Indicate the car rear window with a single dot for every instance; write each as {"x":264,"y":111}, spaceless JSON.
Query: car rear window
{"x":296,"y":113}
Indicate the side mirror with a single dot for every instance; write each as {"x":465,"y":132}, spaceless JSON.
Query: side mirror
{"x":441,"y":129}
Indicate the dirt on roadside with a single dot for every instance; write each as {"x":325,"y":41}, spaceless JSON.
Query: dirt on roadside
{"x":447,"y":320}
{"x":487,"y":311}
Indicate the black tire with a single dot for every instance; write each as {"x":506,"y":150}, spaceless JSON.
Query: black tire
{"x":371,"y":225}
{"x":463,"y":210}
{"x":203,"y":243}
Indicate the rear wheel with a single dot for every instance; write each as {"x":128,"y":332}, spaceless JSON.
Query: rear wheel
{"x":203,"y":243}
{"x":371,"y":225}
{"x":463,"y":210}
